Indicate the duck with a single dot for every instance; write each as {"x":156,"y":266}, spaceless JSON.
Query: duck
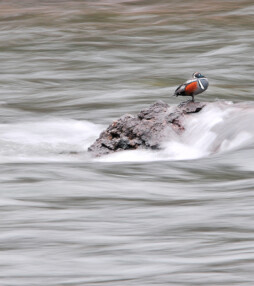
{"x":197,"y":84}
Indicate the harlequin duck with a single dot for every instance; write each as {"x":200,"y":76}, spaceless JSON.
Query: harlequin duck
{"x":197,"y":84}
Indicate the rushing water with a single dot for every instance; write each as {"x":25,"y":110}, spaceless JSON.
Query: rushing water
{"x":179,"y":216}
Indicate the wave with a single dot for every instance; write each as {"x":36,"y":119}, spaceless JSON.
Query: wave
{"x":220,"y":127}
{"x":45,"y":141}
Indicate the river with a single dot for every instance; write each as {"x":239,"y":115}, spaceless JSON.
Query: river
{"x":179,"y":216}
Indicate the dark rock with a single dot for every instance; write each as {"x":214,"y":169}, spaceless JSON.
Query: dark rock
{"x":147,"y":130}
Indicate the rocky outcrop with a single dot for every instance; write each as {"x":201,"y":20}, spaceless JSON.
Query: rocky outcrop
{"x":148,"y":130}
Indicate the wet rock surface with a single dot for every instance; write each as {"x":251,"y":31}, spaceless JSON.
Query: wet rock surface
{"x":148,"y":129}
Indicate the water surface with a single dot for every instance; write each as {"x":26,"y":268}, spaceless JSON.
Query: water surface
{"x":180,"y":216}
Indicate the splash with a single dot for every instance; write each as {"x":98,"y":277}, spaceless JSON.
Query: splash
{"x":46,"y":141}
{"x":219,"y":128}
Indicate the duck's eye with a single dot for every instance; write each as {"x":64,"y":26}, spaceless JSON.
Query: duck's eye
{"x":199,"y":75}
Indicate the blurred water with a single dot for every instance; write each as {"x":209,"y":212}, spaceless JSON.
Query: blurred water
{"x":181,"y":216}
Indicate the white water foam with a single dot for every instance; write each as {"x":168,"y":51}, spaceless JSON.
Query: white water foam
{"x":50,"y":140}
{"x":219,"y":127}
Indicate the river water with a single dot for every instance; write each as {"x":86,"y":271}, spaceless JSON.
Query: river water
{"x":179,"y":216}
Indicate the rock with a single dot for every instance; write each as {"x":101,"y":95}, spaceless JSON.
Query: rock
{"x":151,"y":127}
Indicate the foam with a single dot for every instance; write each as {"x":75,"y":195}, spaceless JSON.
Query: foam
{"x":46,"y":141}
{"x":220,"y":127}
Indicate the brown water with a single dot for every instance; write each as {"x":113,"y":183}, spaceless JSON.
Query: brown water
{"x":180,"y":216}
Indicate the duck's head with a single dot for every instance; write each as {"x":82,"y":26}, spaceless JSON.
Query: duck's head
{"x":197,"y":75}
